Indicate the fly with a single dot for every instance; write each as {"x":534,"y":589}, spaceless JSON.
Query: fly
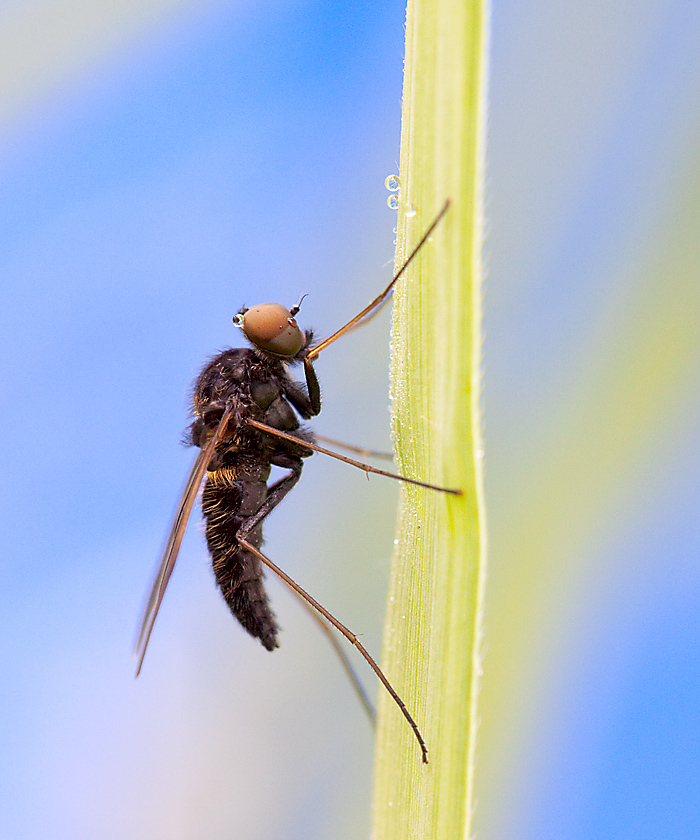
{"x":246,"y":420}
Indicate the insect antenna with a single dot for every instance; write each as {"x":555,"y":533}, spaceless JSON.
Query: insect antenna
{"x":349,"y":635}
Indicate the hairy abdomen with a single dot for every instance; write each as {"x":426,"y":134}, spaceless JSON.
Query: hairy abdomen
{"x":226,"y":506}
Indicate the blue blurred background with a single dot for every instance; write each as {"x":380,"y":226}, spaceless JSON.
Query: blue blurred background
{"x":162,"y":164}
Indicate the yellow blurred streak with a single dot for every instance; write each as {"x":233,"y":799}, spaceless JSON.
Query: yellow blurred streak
{"x":626,"y":403}
{"x":46,"y":43}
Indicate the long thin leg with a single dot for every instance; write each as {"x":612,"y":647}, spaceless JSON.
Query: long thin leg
{"x":326,"y":628}
{"x":277,"y":433}
{"x":379,"y":300}
{"x":349,"y":635}
{"x":358,"y":450}
{"x":276,"y":493}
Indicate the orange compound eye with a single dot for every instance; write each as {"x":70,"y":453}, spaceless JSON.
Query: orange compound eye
{"x":271,"y":327}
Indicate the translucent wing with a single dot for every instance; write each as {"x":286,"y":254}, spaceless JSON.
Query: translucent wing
{"x":177,"y":532}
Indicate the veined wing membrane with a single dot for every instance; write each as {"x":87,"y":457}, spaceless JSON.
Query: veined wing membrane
{"x":177,"y":532}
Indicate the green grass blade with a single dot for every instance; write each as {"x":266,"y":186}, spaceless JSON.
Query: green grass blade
{"x":432,"y":634}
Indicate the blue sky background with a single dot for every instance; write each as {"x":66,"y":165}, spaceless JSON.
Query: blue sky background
{"x":160,"y":168}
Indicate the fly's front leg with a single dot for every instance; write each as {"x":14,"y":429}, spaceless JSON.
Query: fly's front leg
{"x":307,"y":404}
{"x":312,"y":386}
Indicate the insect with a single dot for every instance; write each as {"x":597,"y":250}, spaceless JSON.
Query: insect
{"x":246,"y":420}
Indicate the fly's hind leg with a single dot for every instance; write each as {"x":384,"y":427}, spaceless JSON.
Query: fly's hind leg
{"x":238,"y":571}
{"x":275,"y":493}
{"x":247,"y":541}
{"x":349,"y":635}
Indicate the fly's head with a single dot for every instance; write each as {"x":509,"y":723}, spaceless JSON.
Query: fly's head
{"x":272,"y":329}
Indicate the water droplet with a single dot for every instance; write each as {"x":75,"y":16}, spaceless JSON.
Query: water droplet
{"x":393,"y":202}
{"x":392,"y":183}
{"x":410,"y":211}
